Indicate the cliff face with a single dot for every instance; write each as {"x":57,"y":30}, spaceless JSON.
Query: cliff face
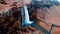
{"x":50,"y":16}
{"x":8,"y":4}
{"x":12,"y":24}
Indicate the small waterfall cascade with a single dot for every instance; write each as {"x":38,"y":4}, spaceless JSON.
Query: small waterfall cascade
{"x":26,"y":21}
{"x":25,"y":16}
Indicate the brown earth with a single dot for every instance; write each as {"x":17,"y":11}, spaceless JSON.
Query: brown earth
{"x":51,"y":16}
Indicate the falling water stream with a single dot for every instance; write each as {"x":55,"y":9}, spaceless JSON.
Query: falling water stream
{"x":25,"y":16}
{"x":26,"y":21}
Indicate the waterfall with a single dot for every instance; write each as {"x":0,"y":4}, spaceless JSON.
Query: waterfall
{"x":26,"y":21}
{"x":25,"y":16}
